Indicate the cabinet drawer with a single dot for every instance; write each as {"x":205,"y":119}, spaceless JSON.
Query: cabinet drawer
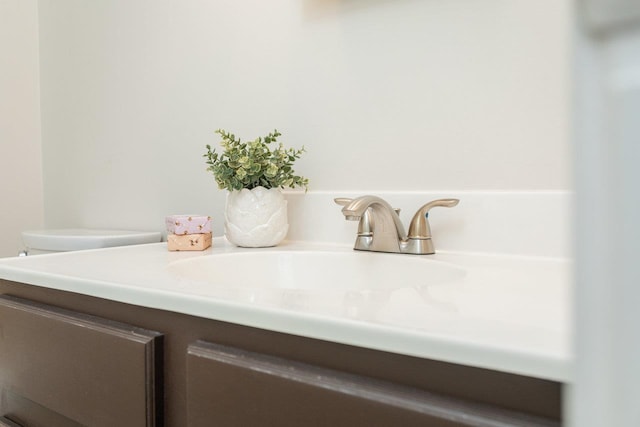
{"x":59,"y":367}
{"x":230,"y":386}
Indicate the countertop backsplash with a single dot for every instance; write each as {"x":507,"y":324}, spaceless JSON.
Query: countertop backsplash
{"x":533,"y":223}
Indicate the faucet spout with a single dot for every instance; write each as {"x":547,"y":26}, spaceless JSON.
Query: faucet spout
{"x":387,"y":232}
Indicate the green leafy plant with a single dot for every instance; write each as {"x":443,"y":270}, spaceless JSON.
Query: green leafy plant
{"x":253,"y":164}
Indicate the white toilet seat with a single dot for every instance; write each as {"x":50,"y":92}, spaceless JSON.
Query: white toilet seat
{"x":74,"y":239}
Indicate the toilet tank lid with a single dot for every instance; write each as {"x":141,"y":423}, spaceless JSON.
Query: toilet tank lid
{"x":74,"y":239}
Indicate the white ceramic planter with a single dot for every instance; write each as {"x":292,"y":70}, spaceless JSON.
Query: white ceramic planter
{"x":256,"y":218}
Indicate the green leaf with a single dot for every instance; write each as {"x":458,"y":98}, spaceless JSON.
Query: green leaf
{"x":252,"y":164}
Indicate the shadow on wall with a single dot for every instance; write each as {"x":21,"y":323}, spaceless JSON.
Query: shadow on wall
{"x":323,"y":9}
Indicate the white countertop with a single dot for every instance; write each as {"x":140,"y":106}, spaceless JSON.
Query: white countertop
{"x":507,"y":313}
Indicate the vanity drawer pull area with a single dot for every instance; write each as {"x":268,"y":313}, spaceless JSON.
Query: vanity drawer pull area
{"x":231,"y":386}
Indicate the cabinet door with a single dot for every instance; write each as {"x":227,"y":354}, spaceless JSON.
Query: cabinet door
{"x":230,"y":387}
{"x":63,"y":368}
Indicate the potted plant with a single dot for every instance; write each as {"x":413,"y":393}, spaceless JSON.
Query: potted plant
{"x":254,"y":173}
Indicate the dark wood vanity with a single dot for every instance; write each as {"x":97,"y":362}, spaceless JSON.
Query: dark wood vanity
{"x":68,"y":359}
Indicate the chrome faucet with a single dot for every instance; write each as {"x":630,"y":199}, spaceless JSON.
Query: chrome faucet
{"x":380,"y":228}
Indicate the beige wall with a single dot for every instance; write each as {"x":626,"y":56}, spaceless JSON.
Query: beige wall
{"x":20,"y":151}
{"x":384,"y":94}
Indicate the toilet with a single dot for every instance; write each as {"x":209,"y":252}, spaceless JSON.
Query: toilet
{"x":74,"y":239}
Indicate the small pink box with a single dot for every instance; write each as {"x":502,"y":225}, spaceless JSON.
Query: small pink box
{"x":188,"y":224}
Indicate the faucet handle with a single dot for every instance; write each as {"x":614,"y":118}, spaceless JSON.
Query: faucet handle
{"x":364,"y":226}
{"x":419,"y":227}
{"x":344,"y":201}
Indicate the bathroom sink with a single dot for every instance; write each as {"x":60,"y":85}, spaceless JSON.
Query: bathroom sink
{"x":314,"y":271}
